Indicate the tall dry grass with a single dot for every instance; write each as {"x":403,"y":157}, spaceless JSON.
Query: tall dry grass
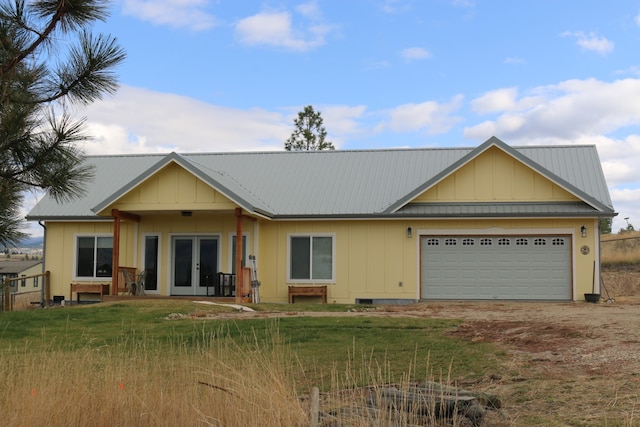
{"x":148,"y":384}
{"x":141,"y":382}
{"x":619,"y":249}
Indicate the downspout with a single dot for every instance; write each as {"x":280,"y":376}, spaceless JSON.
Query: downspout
{"x":44,"y":258}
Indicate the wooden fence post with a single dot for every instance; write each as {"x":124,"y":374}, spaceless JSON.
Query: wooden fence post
{"x":7,"y":294}
{"x":47,"y":289}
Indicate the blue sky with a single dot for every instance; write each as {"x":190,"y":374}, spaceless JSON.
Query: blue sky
{"x":223,"y":75}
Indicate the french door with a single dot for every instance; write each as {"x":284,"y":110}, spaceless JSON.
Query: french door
{"x":195,"y":264}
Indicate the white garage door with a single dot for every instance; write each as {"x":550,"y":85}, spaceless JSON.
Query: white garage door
{"x":496,"y":267}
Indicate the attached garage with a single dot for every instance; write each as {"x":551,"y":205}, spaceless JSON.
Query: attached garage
{"x":480,"y":267}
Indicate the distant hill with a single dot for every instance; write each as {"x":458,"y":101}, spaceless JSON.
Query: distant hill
{"x":31,"y":242}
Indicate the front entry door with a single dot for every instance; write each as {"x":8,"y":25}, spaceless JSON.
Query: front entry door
{"x":195,"y":264}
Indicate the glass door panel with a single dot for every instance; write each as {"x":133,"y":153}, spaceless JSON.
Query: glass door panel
{"x":195,"y":264}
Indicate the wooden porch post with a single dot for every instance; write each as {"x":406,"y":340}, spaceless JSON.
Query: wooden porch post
{"x":115,"y":268}
{"x":115,"y":213}
{"x":239,"y":275}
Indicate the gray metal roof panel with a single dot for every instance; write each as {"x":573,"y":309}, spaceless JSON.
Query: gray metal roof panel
{"x":325,"y":183}
{"x":16,"y":267}
{"x":498,"y":210}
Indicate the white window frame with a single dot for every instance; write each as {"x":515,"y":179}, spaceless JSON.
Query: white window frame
{"x":333,"y":257}
{"x":231,"y":253}
{"x":75,"y":257}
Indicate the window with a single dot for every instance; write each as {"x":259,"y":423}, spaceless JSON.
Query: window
{"x":468,"y":242}
{"x":540,"y":241}
{"x":35,"y":282}
{"x":311,"y":258}
{"x":450,"y":242}
{"x":486,"y":242}
{"x":94,"y":256}
{"x":522,"y":241}
{"x":151,"y":248}
{"x":23,"y":282}
{"x":504,"y":242}
{"x":433,"y":242}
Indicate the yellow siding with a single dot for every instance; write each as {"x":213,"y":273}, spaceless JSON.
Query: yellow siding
{"x":495,"y":176}
{"x":374,"y":259}
{"x":173,"y":188}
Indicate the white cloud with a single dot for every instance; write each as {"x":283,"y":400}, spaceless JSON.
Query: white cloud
{"x":138,"y":120}
{"x":497,"y":100}
{"x":591,"y":41}
{"x":415,"y":53}
{"x":174,"y":13}
{"x":514,"y":60}
{"x":637,"y":19}
{"x":277,"y":29}
{"x":568,"y":110}
{"x":430,"y":117}
{"x":626,"y":203}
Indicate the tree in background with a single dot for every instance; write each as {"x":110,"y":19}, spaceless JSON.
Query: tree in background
{"x":309,"y":133}
{"x":605,"y":225}
{"x":48,"y":60}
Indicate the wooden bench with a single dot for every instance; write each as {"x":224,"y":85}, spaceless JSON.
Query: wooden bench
{"x":86,"y":288}
{"x":308,"y":291}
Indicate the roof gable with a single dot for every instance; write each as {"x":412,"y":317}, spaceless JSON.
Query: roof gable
{"x":169,"y":188}
{"x":553,"y":182}
{"x":494,"y":176}
{"x":174,"y":182}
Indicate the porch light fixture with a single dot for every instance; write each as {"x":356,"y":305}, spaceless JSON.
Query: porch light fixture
{"x":409,"y":232}
{"x":186,"y":213}
{"x":583,"y":231}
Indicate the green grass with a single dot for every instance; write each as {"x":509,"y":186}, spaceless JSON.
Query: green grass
{"x":321,"y":345}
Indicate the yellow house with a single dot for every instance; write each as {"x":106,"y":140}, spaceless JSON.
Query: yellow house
{"x":493,"y":222}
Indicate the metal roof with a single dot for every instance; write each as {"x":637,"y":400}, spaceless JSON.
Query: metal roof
{"x":328,"y":183}
{"x":17,"y":267}
{"x":495,"y":210}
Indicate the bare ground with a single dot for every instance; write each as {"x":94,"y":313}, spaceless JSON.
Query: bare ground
{"x":573,"y":364}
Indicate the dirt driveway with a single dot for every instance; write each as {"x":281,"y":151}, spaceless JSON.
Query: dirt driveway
{"x":570,"y":363}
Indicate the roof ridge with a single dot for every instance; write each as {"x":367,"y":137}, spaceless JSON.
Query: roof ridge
{"x":327,"y":152}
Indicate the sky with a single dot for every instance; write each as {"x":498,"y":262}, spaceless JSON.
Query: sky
{"x":228,"y":75}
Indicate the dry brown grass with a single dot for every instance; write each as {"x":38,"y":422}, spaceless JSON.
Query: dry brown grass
{"x":146,"y":384}
{"x":142,"y":385}
{"x":619,"y":249}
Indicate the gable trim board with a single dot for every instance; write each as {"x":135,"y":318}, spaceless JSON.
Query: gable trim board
{"x":366,"y":200}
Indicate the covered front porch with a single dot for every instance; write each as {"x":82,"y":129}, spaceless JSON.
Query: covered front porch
{"x":182,"y":254}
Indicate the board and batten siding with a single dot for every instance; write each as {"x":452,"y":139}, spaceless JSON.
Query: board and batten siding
{"x":495,"y":176}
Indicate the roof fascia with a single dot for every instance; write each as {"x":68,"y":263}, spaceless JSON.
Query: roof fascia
{"x":495,"y":142}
